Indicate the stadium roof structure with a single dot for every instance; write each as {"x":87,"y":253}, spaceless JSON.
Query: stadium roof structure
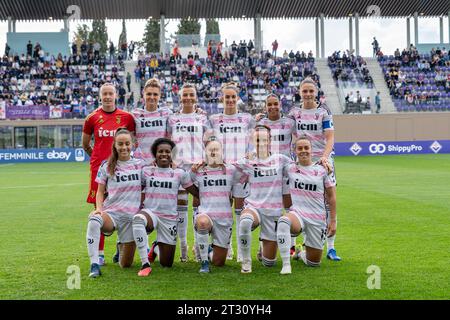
{"x":226,"y":9}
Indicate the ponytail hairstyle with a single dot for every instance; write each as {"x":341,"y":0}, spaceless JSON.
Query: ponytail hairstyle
{"x":112,"y":160}
{"x":187,"y":85}
{"x":303,"y":137}
{"x":231,"y":85}
{"x":309,"y":80}
{"x":272,"y":95}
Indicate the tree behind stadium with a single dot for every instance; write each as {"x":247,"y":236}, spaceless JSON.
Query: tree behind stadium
{"x":151,"y":36}
{"x":99,"y":34}
{"x":188,"y":27}
{"x":123,"y":34}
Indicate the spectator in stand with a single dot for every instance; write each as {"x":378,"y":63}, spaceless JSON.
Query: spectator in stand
{"x":96,"y":47}
{"x":375,"y":46}
{"x":131,"y":49}
{"x":124,"y":50}
{"x":112,"y":50}
{"x":7,"y":49}
{"x":29,"y":48}
{"x":378,"y":101}
{"x":275,"y":48}
{"x":129,"y":81}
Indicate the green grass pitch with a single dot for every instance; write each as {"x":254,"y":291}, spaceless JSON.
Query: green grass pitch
{"x":393,"y":212}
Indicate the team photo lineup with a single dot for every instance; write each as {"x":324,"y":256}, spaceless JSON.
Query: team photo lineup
{"x":203,"y":156}
{"x":274,"y":171}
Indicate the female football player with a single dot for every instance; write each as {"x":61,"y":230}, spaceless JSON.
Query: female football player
{"x":314,"y":120}
{"x":215,"y":181}
{"x":233,"y":130}
{"x":161,"y":184}
{"x":187,"y":130}
{"x":120,"y":178}
{"x":310,"y":185}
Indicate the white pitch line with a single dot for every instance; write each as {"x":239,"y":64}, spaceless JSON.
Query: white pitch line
{"x":7,"y":164}
{"x":44,"y":186}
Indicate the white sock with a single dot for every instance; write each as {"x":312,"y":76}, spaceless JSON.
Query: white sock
{"x":302,"y":255}
{"x":140,"y":237}
{"x":245,"y":236}
{"x":330,"y":242}
{"x":284,"y":239}
{"x":101,"y":252}
{"x":202,"y":238}
{"x":93,"y":236}
{"x":293,"y":241}
{"x":238,"y":219}
{"x":182,"y":228}
{"x":194,"y":214}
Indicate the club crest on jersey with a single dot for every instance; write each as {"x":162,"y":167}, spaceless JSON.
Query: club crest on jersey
{"x":100,"y":121}
{"x":316,"y":116}
{"x":118,"y":118}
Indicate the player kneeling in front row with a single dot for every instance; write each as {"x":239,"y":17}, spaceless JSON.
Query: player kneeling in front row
{"x":215,"y":182}
{"x":264,"y":205}
{"x":309,"y":185}
{"x":161,"y":184}
{"x":120,"y":177}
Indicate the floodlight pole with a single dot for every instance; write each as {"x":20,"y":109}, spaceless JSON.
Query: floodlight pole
{"x":322,"y":35}
{"x":441,"y":30}
{"x":162,"y":35}
{"x":357,"y":33}
{"x":257,"y":33}
{"x":66,"y":24}
{"x":317,"y":38}
{"x":408,"y":32}
{"x":416,"y":28}
{"x":449,"y":27}
{"x":350,"y":33}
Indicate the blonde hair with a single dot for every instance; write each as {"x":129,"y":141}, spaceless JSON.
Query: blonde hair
{"x":107,"y":84}
{"x":152,"y":83}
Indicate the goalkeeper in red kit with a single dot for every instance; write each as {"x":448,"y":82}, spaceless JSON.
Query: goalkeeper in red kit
{"x":102,"y":123}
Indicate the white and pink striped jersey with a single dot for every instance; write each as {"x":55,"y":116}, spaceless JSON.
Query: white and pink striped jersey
{"x":187,"y":130}
{"x":266,"y":182}
{"x":149,"y":127}
{"x":234,"y":132}
{"x":313,"y":123}
{"x":161,"y":189}
{"x":281,"y":132}
{"x":307,"y":187}
{"x":124,"y":188}
{"x":215,"y":185}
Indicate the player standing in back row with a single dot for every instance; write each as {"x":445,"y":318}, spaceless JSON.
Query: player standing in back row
{"x":103,"y":123}
{"x":314,"y":120}
{"x":233,"y":130}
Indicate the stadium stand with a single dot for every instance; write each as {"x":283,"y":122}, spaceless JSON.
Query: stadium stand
{"x":256,"y":74}
{"x":418,"y":82}
{"x":72,"y":81}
